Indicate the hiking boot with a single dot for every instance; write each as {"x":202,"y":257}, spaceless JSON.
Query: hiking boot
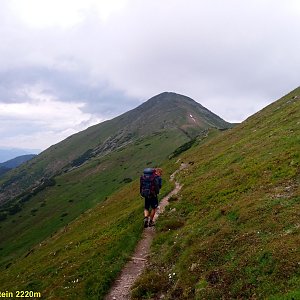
{"x":146,"y":222}
{"x":151,"y":223}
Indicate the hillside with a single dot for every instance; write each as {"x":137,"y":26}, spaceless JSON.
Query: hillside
{"x":14,"y":163}
{"x":82,"y":259}
{"x":17,"y":161}
{"x":234,"y":231}
{"x":90,"y":178}
{"x":166,"y":112}
{"x":3,"y":170}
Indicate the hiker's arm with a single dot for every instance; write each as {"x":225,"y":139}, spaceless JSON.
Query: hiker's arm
{"x":141,"y":184}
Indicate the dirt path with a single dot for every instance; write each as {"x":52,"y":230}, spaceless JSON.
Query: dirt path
{"x":133,"y":269}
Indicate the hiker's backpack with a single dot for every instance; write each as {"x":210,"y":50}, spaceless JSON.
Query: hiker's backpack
{"x":148,"y":183}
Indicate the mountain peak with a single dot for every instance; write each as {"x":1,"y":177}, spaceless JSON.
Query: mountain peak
{"x":171,"y":97}
{"x":180,"y":110}
{"x":167,"y":114}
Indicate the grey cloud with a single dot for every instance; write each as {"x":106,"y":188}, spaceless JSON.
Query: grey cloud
{"x":66,"y":87}
{"x":234,"y":57}
{"x":236,"y":51}
{"x":13,"y":127}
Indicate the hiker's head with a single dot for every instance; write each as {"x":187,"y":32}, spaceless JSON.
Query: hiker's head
{"x":158,"y":171}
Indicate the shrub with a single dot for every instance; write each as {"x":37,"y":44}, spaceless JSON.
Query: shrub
{"x":14,"y":209}
{"x":127,"y":180}
{"x":3,"y":216}
{"x":148,"y":285}
{"x":183,"y":148}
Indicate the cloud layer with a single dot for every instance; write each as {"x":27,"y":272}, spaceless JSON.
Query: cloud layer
{"x":66,"y":65}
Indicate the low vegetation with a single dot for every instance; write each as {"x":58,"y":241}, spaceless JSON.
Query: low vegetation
{"x":82,"y":259}
{"x":234,"y":231}
{"x":231,"y":233}
{"x":55,"y":202}
{"x":167,"y":114}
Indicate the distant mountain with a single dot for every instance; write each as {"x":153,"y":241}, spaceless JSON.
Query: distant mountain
{"x":10,"y":153}
{"x":14,"y":163}
{"x":17,"y":161}
{"x":48,"y":192}
{"x":167,"y":112}
{"x":3,"y":170}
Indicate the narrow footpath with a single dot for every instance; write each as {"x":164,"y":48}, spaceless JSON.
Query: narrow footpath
{"x":134,"y":268}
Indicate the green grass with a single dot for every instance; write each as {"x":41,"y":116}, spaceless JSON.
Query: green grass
{"x":79,"y":190}
{"x":81,"y":260}
{"x":72,"y":237}
{"x":233,"y":232}
{"x":167,"y":113}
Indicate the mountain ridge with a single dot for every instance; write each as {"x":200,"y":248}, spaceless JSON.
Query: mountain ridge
{"x":14,"y":163}
{"x":232,"y":232}
{"x":163,"y":112}
{"x":10,"y":153}
{"x":53,"y":189}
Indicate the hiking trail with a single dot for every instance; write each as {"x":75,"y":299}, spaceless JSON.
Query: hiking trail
{"x":134,"y":268}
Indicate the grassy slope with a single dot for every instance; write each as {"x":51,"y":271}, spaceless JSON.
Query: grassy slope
{"x":235,"y":231}
{"x":81,"y":260}
{"x":167,"y":111}
{"x":55,"y":158}
{"x":78,"y":191}
{"x":90,"y":249}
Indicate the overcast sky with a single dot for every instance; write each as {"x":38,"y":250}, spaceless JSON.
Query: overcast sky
{"x":69,"y":64}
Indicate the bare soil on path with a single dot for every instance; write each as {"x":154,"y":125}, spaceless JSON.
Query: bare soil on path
{"x":134,"y":268}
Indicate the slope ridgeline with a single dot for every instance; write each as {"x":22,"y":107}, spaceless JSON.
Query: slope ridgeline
{"x":234,"y":232}
{"x":83,"y":170}
{"x":167,"y":112}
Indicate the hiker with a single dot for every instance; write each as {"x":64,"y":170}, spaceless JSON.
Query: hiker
{"x":150,"y":184}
